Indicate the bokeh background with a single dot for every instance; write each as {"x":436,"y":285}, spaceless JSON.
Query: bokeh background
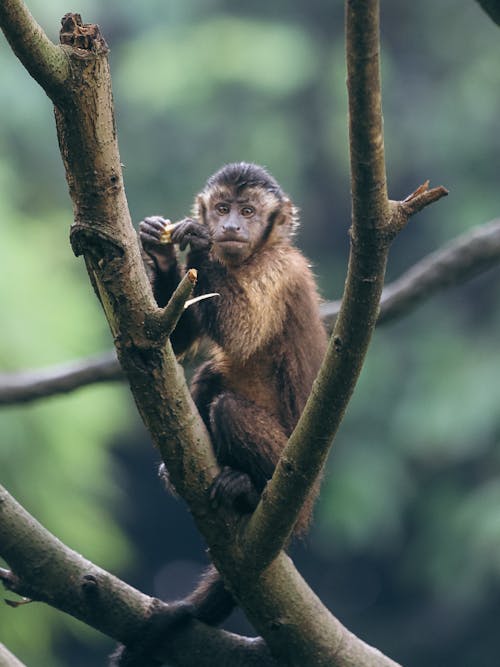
{"x":405,"y":548}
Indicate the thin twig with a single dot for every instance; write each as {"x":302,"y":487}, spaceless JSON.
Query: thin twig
{"x":160,"y":323}
{"x":26,"y":386}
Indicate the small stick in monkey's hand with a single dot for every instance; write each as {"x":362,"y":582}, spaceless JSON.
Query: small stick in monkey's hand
{"x":166,"y":236}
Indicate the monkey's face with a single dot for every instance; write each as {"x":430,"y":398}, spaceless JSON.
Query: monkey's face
{"x":241,"y":222}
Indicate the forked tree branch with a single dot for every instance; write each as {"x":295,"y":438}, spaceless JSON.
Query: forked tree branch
{"x":160,"y":323}
{"x":282,"y":608}
{"x":46,"y":570}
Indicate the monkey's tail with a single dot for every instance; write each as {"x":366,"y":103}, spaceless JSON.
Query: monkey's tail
{"x":211,"y":601}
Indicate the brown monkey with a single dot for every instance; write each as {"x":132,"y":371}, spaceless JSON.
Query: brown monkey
{"x":267,"y":338}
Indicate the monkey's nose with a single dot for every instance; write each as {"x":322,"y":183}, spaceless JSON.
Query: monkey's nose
{"x":230,"y":227}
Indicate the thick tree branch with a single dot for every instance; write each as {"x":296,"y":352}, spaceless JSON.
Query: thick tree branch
{"x":103,"y":234}
{"x":7,"y":659}
{"x":463,"y":258}
{"x":296,"y":626}
{"x":376,"y":221}
{"x":47,"y":63}
{"x":492,"y":8}
{"x":46,"y":570}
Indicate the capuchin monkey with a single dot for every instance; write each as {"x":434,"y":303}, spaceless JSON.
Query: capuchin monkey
{"x":266,"y":339}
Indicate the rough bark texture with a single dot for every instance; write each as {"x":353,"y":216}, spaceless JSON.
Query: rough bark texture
{"x":48,"y":571}
{"x":103,"y":233}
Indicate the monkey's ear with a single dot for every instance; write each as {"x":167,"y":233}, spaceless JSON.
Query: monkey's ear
{"x":200,"y":209}
{"x":287,"y":214}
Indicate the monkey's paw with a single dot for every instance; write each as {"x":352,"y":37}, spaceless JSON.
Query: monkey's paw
{"x":150,"y":233}
{"x":151,"y":230}
{"x":190,"y":232}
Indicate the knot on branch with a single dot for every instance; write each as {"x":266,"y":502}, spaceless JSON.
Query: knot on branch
{"x":10,"y":580}
{"x":12,"y":583}
{"x":90,"y":586}
{"x":402,"y":211}
{"x":79,"y":35}
{"x":85,"y":238}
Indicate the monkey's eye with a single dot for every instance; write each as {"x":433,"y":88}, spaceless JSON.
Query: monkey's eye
{"x":222,"y":209}
{"x":247,"y":211}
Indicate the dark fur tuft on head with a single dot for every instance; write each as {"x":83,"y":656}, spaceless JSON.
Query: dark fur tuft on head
{"x":241,"y":175}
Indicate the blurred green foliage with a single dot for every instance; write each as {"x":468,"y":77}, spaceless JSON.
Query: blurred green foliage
{"x":414,"y":475}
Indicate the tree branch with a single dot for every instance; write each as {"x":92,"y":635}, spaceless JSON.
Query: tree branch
{"x":46,"y":62}
{"x":296,"y":626}
{"x":492,"y":8}
{"x":160,"y":323}
{"x":463,"y":258}
{"x":7,"y":659}
{"x":48,"y":571}
{"x":103,"y":234}
{"x":376,"y":221}
{"x":25,"y":386}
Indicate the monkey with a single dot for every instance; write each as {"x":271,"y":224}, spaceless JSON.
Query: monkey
{"x":266,"y":338}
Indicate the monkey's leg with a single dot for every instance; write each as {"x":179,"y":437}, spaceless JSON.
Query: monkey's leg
{"x":248,"y":442}
{"x":210,"y":601}
{"x":207,"y":383}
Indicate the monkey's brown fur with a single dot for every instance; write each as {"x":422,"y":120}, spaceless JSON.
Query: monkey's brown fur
{"x":266,"y":336}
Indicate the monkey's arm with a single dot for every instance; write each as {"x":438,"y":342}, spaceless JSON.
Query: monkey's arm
{"x":164,"y":274}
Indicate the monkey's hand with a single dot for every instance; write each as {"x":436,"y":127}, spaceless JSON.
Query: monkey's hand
{"x":234,"y":488}
{"x":150,"y":233}
{"x":190,"y":232}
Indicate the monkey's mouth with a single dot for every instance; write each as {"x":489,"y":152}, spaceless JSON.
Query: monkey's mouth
{"x":231,"y":245}
{"x":231,"y":252}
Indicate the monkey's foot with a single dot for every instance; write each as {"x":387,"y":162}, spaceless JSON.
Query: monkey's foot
{"x":234,"y":488}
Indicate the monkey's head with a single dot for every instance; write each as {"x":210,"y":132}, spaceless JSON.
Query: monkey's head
{"x":245,"y":209}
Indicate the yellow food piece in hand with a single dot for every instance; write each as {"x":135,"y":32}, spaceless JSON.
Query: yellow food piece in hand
{"x":166,"y":235}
